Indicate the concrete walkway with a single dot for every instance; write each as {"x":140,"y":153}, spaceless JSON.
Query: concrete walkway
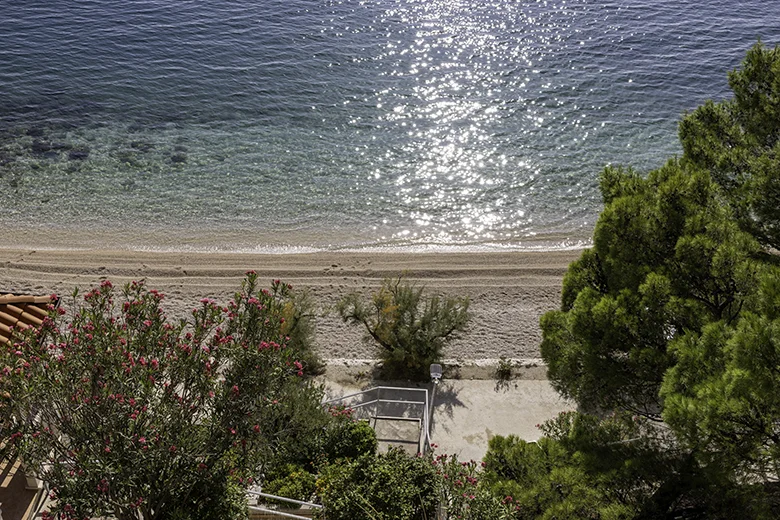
{"x":468,"y":413}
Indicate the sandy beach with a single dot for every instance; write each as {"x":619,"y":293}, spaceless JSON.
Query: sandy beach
{"x":509,"y":291}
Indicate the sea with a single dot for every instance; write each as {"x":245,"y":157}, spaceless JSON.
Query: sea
{"x":339,"y":125}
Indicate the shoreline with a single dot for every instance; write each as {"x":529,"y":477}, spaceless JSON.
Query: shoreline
{"x":508,"y":290}
{"x":207,"y":239}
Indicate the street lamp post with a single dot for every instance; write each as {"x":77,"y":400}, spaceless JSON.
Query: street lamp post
{"x":436,"y":373}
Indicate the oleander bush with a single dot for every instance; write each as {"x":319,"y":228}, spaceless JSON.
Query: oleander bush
{"x":126,"y":413}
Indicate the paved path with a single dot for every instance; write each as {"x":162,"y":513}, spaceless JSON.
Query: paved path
{"x":468,"y":413}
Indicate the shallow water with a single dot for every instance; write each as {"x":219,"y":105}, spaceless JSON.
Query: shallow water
{"x":305,"y":125}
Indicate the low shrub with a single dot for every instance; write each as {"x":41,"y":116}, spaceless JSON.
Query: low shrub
{"x":411,"y":329}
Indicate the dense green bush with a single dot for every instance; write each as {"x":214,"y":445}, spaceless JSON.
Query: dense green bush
{"x":296,"y":483}
{"x":411,"y":329}
{"x":565,"y":479}
{"x":388,"y":486}
{"x":348,"y":438}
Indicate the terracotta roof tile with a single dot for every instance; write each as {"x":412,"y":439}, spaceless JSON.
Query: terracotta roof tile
{"x":21,"y":312}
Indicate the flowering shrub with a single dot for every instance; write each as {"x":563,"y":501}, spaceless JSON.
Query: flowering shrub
{"x":127,"y":414}
{"x":464,"y":496}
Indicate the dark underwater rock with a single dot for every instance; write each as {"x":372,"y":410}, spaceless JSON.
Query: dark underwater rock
{"x":42,"y":147}
{"x":142,"y":146}
{"x":79,"y":154}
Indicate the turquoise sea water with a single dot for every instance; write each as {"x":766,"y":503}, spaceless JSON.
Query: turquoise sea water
{"x":272,"y":125}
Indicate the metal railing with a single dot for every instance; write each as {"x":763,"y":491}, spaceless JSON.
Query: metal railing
{"x":370,"y":404}
{"x":282,"y":499}
{"x":36,"y":509}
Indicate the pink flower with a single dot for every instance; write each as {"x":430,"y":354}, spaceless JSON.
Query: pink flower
{"x":172,"y":449}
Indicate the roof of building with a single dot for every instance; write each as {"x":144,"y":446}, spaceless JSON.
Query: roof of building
{"x":21,"y":312}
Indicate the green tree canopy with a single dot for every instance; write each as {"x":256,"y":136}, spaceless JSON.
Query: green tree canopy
{"x":738,"y":142}
{"x":667,"y":259}
{"x":674,"y":313}
{"x":721,"y":397}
